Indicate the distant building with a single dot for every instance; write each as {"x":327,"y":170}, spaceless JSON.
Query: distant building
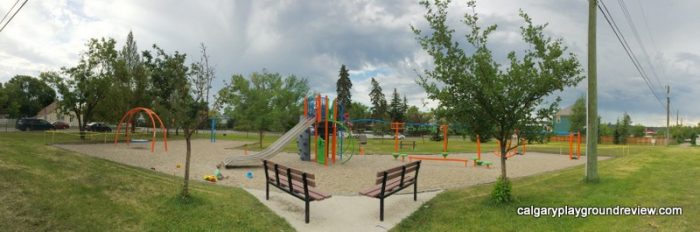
{"x":562,"y":121}
{"x":52,"y":113}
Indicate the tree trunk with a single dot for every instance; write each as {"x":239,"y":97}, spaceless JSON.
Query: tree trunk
{"x":185,"y":188}
{"x":503,"y":159}
{"x":261,"y":138}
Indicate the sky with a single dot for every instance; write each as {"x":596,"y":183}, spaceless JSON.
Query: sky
{"x":312,"y":39}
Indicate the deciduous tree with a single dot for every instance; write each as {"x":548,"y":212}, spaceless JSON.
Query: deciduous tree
{"x":494,"y":99}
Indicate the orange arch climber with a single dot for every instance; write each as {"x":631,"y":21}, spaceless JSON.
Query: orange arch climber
{"x":153,"y":116}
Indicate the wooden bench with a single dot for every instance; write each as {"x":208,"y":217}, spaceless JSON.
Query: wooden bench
{"x":392,"y":181}
{"x":297,"y":183}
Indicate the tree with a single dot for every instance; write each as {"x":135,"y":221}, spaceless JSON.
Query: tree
{"x":358,"y":110}
{"x":85,"y":86}
{"x":343,"y":86}
{"x":638,"y":130}
{"x":3,"y":100}
{"x":25,"y":96}
{"x":495,"y":99}
{"x":192,"y":97}
{"x":168,"y":75}
{"x":263,"y":101}
{"x":397,"y":113}
{"x":378,"y":101}
{"x":578,"y":115}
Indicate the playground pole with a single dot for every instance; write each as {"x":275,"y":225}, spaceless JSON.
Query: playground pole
{"x":318,"y":120}
{"x":478,"y":147}
{"x":325,"y":161}
{"x":335,"y":126}
{"x":578,"y":146}
{"x":306,"y":107}
{"x":571,"y":145}
{"x":396,"y":136}
{"x":524,"y":146}
{"x":444,"y":144}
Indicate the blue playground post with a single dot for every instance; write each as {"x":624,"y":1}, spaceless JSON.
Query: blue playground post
{"x":213,"y":130}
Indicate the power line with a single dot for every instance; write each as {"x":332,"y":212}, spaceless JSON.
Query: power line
{"x":628,"y":49}
{"x":13,"y":15}
{"x":626,"y":12}
{"x":9,"y":11}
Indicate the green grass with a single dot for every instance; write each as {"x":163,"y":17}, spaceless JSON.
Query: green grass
{"x":46,"y":188}
{"x":658,"y":177}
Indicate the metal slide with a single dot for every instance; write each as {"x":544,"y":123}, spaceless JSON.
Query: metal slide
{"x":272,"y":150}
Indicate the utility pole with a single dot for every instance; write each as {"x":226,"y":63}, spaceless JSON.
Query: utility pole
{"x":668,"y":114}
{"x":592,"y":107}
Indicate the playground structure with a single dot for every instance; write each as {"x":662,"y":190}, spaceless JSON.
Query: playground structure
{"x":578,"y":146}
{"x":396,"y":126}
{"x":444,"y":153}
{"x":332,"y":138}
{"x":127,"y":118}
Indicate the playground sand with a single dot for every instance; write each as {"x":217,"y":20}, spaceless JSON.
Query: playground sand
{"x":339,"y":179}
{"x":345,"y":211}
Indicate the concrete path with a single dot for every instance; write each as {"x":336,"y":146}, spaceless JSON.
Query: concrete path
{"x":343,"y":213}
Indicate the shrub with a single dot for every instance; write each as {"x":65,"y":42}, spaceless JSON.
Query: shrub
{"x":502,"y":191}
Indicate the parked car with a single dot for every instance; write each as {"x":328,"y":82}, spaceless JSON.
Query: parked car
{"x":98,"y":127}
{"x":58,"y":125}
{"x":26,"y":124}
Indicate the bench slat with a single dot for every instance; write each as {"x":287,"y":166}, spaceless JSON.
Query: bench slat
{"x":282,"y":170}
{"x":271,"y":167}
{"x":314,"y":194}
{"x":395,"y":169}
{"x":394,"y":175}
{"x":390,"y":186}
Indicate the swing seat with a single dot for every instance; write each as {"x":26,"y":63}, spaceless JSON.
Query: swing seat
{"x":138,"y":141}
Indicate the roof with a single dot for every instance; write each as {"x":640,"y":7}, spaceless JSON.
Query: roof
{"x":51,"y":108}
{"x":566,"y":111}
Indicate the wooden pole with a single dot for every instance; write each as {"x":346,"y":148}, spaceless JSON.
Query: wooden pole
{"x":592,"y":106}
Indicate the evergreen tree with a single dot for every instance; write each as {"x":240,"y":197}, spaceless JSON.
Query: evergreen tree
{"x":378,"y":100}
{"x":343,"y":87}
{"x":396,"y":111}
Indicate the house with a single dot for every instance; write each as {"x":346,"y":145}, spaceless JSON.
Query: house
{"x":52,"y":113}
{"x":562,"y":121}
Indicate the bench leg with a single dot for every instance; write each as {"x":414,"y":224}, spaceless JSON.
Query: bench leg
{"x":415,"y":191}
{"x":381,"y":209}
{"x":267,"y":191}
{"x":307,"y":212}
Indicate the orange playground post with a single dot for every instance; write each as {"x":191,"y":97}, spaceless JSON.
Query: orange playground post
{"x":478,"y":147}
{"x":578,"y":146}
{"x":318,"y":120}
{"x":524,"y":146}
{"x":306,"y":107}
{"x":444,"y":144}
{"x":335,"y":127}
{"x":325,"y":161}
{"x":571,"y":145}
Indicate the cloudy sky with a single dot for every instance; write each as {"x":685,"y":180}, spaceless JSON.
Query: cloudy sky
{"x":312,"y":39}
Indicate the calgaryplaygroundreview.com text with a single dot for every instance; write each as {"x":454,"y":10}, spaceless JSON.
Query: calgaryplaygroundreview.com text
{"x":583,"y":212}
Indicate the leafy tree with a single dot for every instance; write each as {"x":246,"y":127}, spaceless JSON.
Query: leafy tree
{"x":359,"y":110}
{"x":343,"y":86}
{"x":25,"y":96}
{"x":396,"y":108}
{"x":84,"y":87}
{"x":495,"y":99}
{"x":578,"y":116}
{"x":637,"y":130}
{"x":379,"y":106}
{"x":3,"y":100}
{"x":168,"y":77}
{"x":261,"y":102}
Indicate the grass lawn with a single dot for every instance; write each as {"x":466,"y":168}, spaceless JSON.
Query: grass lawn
{"x":45,"y":188}
{"x":656,"y":177}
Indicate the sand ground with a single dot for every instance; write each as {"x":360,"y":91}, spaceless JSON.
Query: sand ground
{"x":345,"y":210}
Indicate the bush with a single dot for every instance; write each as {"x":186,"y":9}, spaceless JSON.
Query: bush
{"x":502,"y":191}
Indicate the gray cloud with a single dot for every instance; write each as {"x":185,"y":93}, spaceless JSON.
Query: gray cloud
{"x":313,"y":38}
